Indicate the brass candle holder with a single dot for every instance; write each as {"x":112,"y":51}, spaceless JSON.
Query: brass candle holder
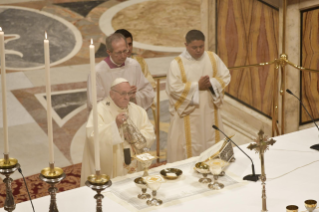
{"x":7,"y":167}
{"x":52,"y":176}
{"x":98,"y":182}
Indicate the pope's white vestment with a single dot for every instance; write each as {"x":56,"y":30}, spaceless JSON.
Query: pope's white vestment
{"x":107,"y":71}
{"x":111,"y":139}
{"x":193,"y":112}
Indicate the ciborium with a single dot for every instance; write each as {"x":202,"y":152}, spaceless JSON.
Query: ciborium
{"x":98,"y":182}
{"x":154,"y":183}
{"x":52,"y":176}
{"x":139,"y":182}
{"x":310,"y":205}
{"x":7,"y":167}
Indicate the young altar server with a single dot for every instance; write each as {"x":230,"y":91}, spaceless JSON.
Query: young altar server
{"x":195,"y":85}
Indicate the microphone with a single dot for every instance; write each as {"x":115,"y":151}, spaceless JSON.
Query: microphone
{"x":252,"y":177}
{"x":316,"y":146}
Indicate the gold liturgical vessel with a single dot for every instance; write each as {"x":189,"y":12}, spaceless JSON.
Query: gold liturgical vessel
{"x":52,"y":176}
{"x":7,"y":167}
{"x":98,"y":182}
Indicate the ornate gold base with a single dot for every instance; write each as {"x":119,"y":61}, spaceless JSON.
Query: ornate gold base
{"x":100,"y":179}
{"x":8,"y":163}
{"x":52,"y":173}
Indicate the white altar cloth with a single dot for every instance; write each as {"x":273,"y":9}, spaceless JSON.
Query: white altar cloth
{"x":292,"y":170}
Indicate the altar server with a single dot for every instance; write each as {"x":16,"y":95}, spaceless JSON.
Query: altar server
{"x":195,"y":85}
{"x":116,"y":65}
{"x":112,"y":113}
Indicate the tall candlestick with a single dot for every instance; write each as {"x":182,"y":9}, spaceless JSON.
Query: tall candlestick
{"x":4,"y":94}
{"x":48,"y":89}
{"x":94,"y":103}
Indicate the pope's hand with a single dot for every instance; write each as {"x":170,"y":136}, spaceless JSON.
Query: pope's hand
{"x":204,"y":83}
{"x":120,"y":119}
{"x":133,"y":89}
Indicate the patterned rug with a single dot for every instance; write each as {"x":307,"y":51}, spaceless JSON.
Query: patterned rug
{"x":38,"y":188}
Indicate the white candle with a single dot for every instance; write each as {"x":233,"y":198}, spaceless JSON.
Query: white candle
{"x":94,"y":103}
{"x":4,"y":94}
{"x":48,"y":88}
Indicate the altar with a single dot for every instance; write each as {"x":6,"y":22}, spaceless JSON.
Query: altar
{"x":291,"y":169}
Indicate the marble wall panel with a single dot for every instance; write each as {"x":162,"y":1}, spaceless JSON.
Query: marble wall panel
{"x":247,"y":33}
{"x":310,"y":59}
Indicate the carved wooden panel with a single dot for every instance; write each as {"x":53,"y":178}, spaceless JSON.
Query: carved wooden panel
{"x":247,"y":33}
{"x":310,"y":59}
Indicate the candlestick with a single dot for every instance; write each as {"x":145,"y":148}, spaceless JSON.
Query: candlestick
{"x":48,"y":90}
{"x":94,"y":104}
{"x":4,"y":94}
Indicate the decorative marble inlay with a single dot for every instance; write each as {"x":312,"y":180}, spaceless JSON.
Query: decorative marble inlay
{"x":160,"y":22}
{"x":65,"y":104}
{"x":26,"y":27}
{"x":158,"y":25}
{"x":82,"y":7}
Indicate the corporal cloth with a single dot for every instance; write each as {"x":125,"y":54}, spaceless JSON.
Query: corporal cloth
{"x":111,"y":139}
{"x":193,"y":112}
{"x":107,"y":72}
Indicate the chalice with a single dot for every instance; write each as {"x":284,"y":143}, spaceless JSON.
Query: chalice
{"x":310,"y":205}
{"x":154,"y":183}
{"x":139,"y":182}
{"x":203,"y":168}
{"x":292,"y":208}
{"x":216,"y":168}
{"x":146,"y":160}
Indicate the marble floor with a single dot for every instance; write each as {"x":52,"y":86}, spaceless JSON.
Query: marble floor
{"x":70,"y":25}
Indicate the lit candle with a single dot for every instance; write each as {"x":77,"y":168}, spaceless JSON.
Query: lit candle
{"x":4,"y":94}
{"x":94,"y":104}
{"x":48,"y":88}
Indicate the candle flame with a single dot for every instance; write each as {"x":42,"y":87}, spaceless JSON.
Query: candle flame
{"x":91,"y":41}
{"x":0,"y":29}
{"x":46,"y":36}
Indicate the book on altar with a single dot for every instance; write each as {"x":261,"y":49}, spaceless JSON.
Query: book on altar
{"x":223,"y":150}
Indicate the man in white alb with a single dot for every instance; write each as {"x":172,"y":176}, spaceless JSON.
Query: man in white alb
{"x":118,"y":65}
{"x":113,"y":111}
{"x":195,"y":85}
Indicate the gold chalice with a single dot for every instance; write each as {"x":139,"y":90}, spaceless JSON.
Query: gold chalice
{"x":310,"y":205}
{"x":203,"y":168}
{"x":139,"y":182}
{"x":154,"y":183}
{"x":216,"y":168}
{"x":292,"y":208}
{"x":146,"y":160}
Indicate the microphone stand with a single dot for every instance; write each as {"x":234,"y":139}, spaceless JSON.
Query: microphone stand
{"x":251,"y":177}
{"x":316,"y":146}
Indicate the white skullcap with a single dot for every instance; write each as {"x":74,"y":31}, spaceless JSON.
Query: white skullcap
{"x":118,"y":81}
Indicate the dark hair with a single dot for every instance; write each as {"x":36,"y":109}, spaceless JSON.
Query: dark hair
{"x":125,"y":33}
{"x":114,"y":37}
{"x":194,"y":35}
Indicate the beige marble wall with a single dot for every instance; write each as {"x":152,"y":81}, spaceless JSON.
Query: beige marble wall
{"x":208,"y":23}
